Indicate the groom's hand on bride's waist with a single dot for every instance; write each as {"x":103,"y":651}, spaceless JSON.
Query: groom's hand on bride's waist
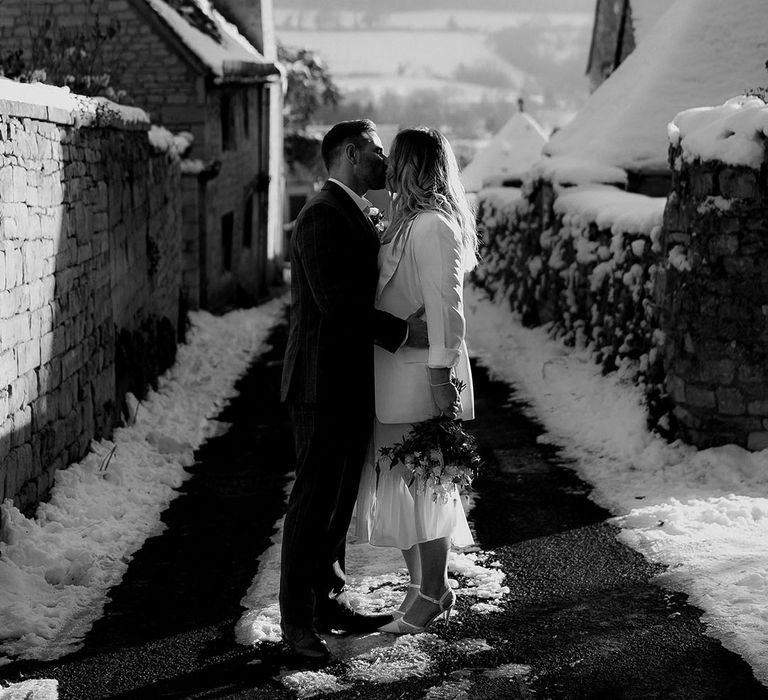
{"x":417,"y":330}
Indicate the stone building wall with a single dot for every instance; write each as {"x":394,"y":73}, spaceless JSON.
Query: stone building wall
{"x":158,"y":75}
{"x":237,"y":275}
{"x":90,"y":277}
{"x":142,"y":62}
{"x":713,"y":292}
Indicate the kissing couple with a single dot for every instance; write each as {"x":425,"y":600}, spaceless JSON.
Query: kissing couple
{"x":362,"y":366}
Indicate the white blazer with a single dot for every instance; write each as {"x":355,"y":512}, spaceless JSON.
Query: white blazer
{"x":424,"y":264}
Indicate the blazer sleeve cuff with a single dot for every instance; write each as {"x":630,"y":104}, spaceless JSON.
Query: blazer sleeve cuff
{"x":442,"y":357}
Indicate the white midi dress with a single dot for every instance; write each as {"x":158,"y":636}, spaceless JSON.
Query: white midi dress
{"x":391,"y":513}
{"x":420,"y":267}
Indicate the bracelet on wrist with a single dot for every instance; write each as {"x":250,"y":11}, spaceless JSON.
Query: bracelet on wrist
{"x":441,"y":384}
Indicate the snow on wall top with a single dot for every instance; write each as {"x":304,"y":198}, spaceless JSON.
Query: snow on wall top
{"x":502,"y":197}
{"x":611,"y":208}
{"x":733,"y":133}
{"x":60,"y":105}
{"x":701,"y":52}
{"x":203,"y":30}
{"x":564,"y":170}
{"x":508,"y":155}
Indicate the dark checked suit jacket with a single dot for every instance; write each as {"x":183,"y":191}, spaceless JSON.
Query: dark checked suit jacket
{"x":333,"y":326}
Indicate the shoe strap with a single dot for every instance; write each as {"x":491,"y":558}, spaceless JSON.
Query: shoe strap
{"x":416,"y":628}
{"x":434,"y":601}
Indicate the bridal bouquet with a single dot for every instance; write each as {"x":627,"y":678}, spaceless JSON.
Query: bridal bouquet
{"x":437,"y":455}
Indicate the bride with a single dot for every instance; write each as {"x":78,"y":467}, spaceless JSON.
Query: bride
{"x":429,"y":245}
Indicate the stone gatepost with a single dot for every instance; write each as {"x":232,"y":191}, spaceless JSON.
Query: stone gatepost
{"x":712,"y":290}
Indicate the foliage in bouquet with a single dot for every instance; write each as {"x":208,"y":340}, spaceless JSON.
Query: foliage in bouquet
{"x":437,"y":456}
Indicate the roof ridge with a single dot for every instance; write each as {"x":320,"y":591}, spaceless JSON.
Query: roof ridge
{"x":194,"y":12}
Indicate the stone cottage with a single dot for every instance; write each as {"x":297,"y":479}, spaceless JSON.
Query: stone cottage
{"x":208,"y":68}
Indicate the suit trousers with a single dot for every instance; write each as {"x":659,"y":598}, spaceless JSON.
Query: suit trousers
{"x":331,"y":444}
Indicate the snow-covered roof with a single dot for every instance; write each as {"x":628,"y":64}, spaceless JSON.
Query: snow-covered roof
{"x":733,"y":133}
{"x":508,"y":155}
{"x":216,"y":43}
{"x":645,"y":14}
{"x":701,"y":52}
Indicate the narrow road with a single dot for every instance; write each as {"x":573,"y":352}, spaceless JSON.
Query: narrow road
{"x":582,"y":620}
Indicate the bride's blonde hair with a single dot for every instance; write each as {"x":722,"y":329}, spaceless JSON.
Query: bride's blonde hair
{"x":424,"y":173}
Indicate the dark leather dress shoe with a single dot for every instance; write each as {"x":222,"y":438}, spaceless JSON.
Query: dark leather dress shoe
{"x":337,"y":614}
{"x":306,"y":643}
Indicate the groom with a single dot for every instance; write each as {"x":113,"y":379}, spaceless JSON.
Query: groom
{"x":328,"y":384}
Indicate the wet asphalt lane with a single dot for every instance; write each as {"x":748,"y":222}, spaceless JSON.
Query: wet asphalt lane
{"x":582,"y":610}
{"x":582,"y":613}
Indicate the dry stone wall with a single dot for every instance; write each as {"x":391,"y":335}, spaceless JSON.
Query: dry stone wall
{"x":587,"y":277}
{"x":683,"y":306}
{"x":713,"y":292}
{"x":90,"y":277}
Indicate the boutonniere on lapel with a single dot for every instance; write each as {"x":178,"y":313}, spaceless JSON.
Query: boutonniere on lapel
{"x":376,"y":217}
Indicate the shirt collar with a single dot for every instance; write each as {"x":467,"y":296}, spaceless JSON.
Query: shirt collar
{"x":362,"y":203}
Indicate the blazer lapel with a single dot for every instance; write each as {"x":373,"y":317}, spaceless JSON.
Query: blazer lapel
{"x":393,"y":254}
{"x":346,"y":203}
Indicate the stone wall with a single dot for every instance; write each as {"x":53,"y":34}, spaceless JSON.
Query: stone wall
{"x":584,"y":273}
{"x":158,"y":74}
{"x":678,"y":302}
{"x":90,"y":276}
{"x":713,"y":292}
{"x":142,"y":63}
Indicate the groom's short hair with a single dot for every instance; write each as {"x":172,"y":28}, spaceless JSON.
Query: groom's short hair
{"x":342,"y":133}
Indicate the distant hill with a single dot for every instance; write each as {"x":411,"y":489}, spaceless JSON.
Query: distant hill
{"x":422,"y":5}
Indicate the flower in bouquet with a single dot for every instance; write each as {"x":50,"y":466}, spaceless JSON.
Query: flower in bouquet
{"x":437,"y":456}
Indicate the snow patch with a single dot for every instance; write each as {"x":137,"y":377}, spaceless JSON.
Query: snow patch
{"x":702,"y":512}
{"x":38,"y":689}
{"x":57,"y":567}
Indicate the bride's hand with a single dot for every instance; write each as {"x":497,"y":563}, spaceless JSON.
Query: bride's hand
{"x":447,"y":398}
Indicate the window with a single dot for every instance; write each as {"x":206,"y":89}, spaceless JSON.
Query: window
{"x":246,"y":114}
{"x":227,"y":226}
{"x":227,"y":122}
{"x":248,"y":222}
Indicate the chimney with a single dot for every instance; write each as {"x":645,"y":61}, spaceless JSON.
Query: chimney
{"x":253,"y":18}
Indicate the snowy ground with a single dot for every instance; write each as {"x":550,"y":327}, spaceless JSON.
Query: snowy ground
{"x":703,"y":513}
{"x":57,"y":568}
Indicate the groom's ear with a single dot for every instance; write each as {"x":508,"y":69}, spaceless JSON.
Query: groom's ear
{"x":350,"y":152}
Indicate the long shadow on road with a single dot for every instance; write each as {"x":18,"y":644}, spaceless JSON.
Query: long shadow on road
{"x":582,"y":612}
{"x":167,"y":630}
